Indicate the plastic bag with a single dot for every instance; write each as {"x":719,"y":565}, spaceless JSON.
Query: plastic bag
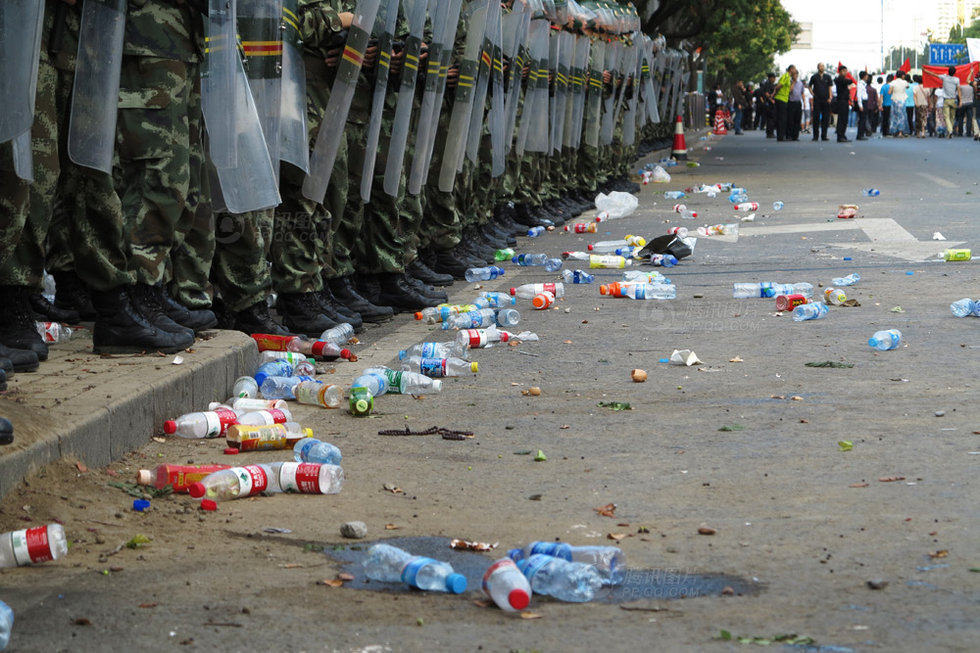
{"x":616,"y":204}
{"x":660,"y":176}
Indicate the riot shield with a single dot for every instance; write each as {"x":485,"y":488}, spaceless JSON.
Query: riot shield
{"x":338,"y":106}
{"x":582,"y":48}
{"x":95,"y":95}
{"x":515,"y":49}
{"x":554,"y":43}
{"x":561,"y":11}
{"x":259,"y":25}
{"x":593,"y":99}
{"x":445,"y":24}
{"x":294,"y":145}
{"x":385,"y":25}
{"x":653,"y":111}
{"x":566,"y":56}
{"x":632,"y":94}
{"x":498,"y":148}
{"x":613,"y":53}
{"x":20,"y":49}
{"x":219,"y":82}
{"x":626,"y":69}
{"x":415,"y":12}
{"x":485,"y":70}
{"x":538,"y":136}
{"x":568,"y":115}
{"x":537,"y":40}
{"x":685,"y":77}
{"x":463,"y":104}
{"x":23,"y":157}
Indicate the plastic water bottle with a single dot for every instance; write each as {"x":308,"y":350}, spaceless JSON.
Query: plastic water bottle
{"x":483,"y":318}
{"x":374,"y":382}
{"x":440,"y":367}
{"x":281,"y":387}
{"x":265,"y":417}
{"x":583,"y":227}
{"x":53,"y":332}
{"x":646,"y":276}
{"x":476,"y":339}
{"x":777,"y":206}
{"x":613,"y":246}
{"x":730,"y":229}
{"x":272,"y":368}
{"x":484,"y":274}
{"x":360,"y":401}
{"x":964,"y":307}
{"x":315,"y":393}
{"x":736,"y":198}
{"x":323,"y":349}
{"x":506,"y":586}
{"x":746,"y":206}
{"x":577,"y":276}
{"x":209,"y":424}
{"x":814,"y":311}
{"x":534,"y":232}
{"x":6,"y":624}
{"x":435,"y":350}
{"x":663,"y":260}
{"x":604,"y":261}
{"x":529,"y":290}
{"x":437,"y":314}
{"x":529,"y":259}
{"x":245,"y":405}
{"x":504,"y":254}
{"x":674,"y":194}
{"x":307,"y":478}
{"x":641,"y":291}
{"x":390,"y":564}
{"x":409,"y":383}
{"x":885,"y":340}
{"x":769,"y":289}
{"x":542,"y":300}
{"x":338,"y":335}
{"x":871,"y":192}
{"x":688,"y":215}
{"x":31,"y":546}
{"x":553,"y":264}
{"x":563,"y":580}
{"x":609,"y":561}
{"x":834,"y":296}
{"x":311,"y":450}
{"x":266,"y":437}
{"x":494,"y":299}
{"x":245,"y":387}
{"x":233,"y":483}
{"x":292,"y":357}
{"x":178,"y":477}
{"x":849,"y":280}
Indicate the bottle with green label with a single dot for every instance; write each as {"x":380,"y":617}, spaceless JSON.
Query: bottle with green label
{"x":361,"y":402}
{"x":957,"y":255}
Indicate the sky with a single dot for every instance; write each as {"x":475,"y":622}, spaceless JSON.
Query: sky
{"x":850,"y":31}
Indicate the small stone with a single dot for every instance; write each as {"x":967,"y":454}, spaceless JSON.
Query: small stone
{"x":940,"y":413}
{"x":877,"y":584}
{"x":354,"y":530}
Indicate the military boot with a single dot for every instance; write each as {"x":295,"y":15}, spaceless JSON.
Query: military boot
{"x":17,"y":360}
{"x":257,"y":319}
{"x":345,"y":293}
{"x":302,"y":313}
{"x":6,"y":428}
{"x":3,"y":380}
{"x":147,"y":301}
{"x":418,"y":269}
{"x":397,"y":293}
{"x":450,"y":262}
{"x":17,"y":328}
{"x":344,"y":314}
{"x":196,"y":320}
{"x":45,"y":311}
{"x":425,"y":289}
{"x":121,"y":328}
{"x":72,"y":294}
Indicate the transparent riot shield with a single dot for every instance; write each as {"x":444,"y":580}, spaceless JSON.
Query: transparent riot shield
{"x":294,"y":142}
{"x":515,"y":49}
{"x":613,"y":53}
{"x":218,"y":83}
{"x":260,"y":28}
{"x":491,"y":31}
{"x":594,"y":91}
{"x":20,"y":49}
{"x":385,"y":25}
{"x":415,"y":12}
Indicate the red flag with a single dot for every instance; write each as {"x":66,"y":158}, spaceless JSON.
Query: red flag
{"x":906,"y":67}
{"x":965,"y":73}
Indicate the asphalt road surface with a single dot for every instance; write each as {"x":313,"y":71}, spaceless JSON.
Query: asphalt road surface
{"x":745,"y":445}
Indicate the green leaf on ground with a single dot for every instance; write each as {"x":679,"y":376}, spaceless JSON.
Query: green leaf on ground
{"x":828,"y":364}
{"x":732,"y":427}
{"x":845,"y":445}
{"x":725,"y":636}
{"x":137,"y":542}
{"x":615,"y":405}
{"x":525,"y":452}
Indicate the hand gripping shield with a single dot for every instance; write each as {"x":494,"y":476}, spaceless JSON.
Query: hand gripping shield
{"x":613,"y":54}
{"x":385,"y":25}
{"x":566,"y":56}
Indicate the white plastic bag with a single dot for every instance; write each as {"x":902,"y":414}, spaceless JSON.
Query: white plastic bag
{"x":660,"y":176}
{"x":616,"y":204}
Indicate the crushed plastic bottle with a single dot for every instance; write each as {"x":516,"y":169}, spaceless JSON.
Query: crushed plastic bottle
{"x":401,"y":382}
{"x":834,"y":296}
{"x":635,"y":290}
{"x":885,"y":340}
{"x":437,"y":368}
{"x":680,"y":232}
{"x":647,"y":276}
{"x":233,"y":483}
{"x":577,"y":276}
{"x":534,"y":232}
{"x":483,"y":274}
{"x":311,"y":450}
{"x":281,"y":387}
{"x":280,"y":368}
{"x":390,"y":564}
{"x":777,"y":206}
{"x":178,"y":477}
{"x":553,"y":264}
{"x":208,"y":424}
{"x":566,"y":581}
{"x":338,"y":335}
{"x":438,"y":314}
{"x":613,"y":246}
{"x":849,"y":280}
{"x":609,"y":561}
{"x":504,"y":254}
{"x":245,"y":388}
{"x":435,"y":350}
{"x":31,"y":546}
{"x":292,"y":357}
{"x":674,"y":194}
{"x":663,"y":260}
{"x":871,"y":192}
{"x":506,"y":586}
{"x":315,"y":393}
{"x":736,"y":198}
{"x":965,"y":307}
{"x":814,"y":311}
{"x":6,"y":624}
{"x":686,"y":214}
{"x":494,"y":299}
{"x":53,"y":333}
{"x":529,"y":290}
{"x":266,"y":437}
{"x":375,"y":382}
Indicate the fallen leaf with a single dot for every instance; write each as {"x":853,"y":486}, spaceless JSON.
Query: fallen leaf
{"x":608,"y":510}
{"x":391,"y":527}
{"x":941,"y":553}
{"x":737,"y":359}
{"x":82,"y":621}
{"x":292,"y":565}
{"x":804,"y":420}
{"x":845,"y":445}
{"x":345,"y":576}
{"x":148,"y":605}
{"x":564,"y":427}
{"x":732,"y":427}
{"x":859,"y":485}
{"x":567,"y":342}
{"x":851,"y":303}
{"x":891,"y":479}
{"x":530,"y":615}
{"x":467,"y":545}
{"x":616,"y":536}
{"x":331,"y":582}
{"x":896,"y":309}
{"x":796,"y":398}
{"x":393,"y":489}
{"x":777,"y":396}
{"x":481,"y":603}
{"x":80,"y":466}
{"x":706,"y":530}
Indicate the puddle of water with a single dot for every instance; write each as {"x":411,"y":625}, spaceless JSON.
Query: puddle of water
{"x":637,"y":583}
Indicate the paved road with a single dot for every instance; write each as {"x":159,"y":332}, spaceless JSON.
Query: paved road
{"x":801,"y":526}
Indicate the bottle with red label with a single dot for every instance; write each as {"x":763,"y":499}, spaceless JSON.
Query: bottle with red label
{"x":308,"y":478}
{"x":583,"y":227}
{"x":322,"y":349}
{"x":208,"y":424}
{"x":266,"y":437}
{"x":440,"y":367}
{"x":178,"y":477}
{"x":53,"y":332}
{"x":477,"y":339}
{"x":504,"y":583}
{"x":266,"y":417}
{"x":529,"y":290}
{"x":246,"y":405}
{"x":746,"y":206}
{"x":32,"y":546}
{"x":233,"y":483}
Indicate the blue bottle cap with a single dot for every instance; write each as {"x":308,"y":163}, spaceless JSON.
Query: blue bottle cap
{"x":847,"y":258}
{"x":455,"y":583}
{"x":139,"y":505}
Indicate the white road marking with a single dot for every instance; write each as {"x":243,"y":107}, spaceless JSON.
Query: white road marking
{"x":945,"y":183}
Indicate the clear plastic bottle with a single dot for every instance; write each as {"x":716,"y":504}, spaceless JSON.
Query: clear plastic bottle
{"x":437,"y":314}
{"x":246,"y":405}
{"x":607,"y":261}
{"x":646,"y":276}
{"x":577,"y":276}
{"x":529,"y":290}
{"x":609,"y":561}
{"x":281,"y":387}
{"x":265,"y":417}
{"x":768,"y":289}
{"x":233,"y":483}
{"x":680,"y":232}
{"x":272,"y":368}
{"x":542,"y":301}
{"x":475,"y":339}
{"x":322,"y":349}
{"x":885,"y":340}
{"x":504,"y":254}
{"x":435,"y":350}
{"x":483,"y":318}
{"x":390,"y":564}
{"x":507,"y":317}
{"x":245,"y":388}
{"x":871,"y":192}
{"x":308,"y":478}
{"x":294,"y":358}
{"x":178,"y":477}
{"x":730,"y":229}
{"x":849,"y":280}
{"x":315,"y":393}
{"x":534,"y":232}
{"x":582,"y":227}
{"x":635,"y":290}
{"x":834,"y":296}
{"x":440,"y":367}
{"x":208,"y":424}
{"x":484,"y":274}
{"x":338,"y":335}
{"x":964,"y":307}
{"x":53,"y":332}
{"x":956,"y":255}
{"x":663,"y":260}
{"x":6,"y":624}
{"x":31,"y":546}
{"x":777,"y":206}
{"x":311,"y":450}
{"x":566,"y":581}
{"x":266,"y":437}
{"x":688,"y":214}
{"x":375,"y":383}
{"x":553,"y":264}
{"x":530,"y":259}
{"x":674,"y":194}
{"x":814,"y":311}
{"x":402,"y":382}
{"x":506,"y":586}
{"x":494,"y":299}
{"x":614,"y":246}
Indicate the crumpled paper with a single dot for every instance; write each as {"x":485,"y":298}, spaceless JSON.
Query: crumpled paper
{"x":684,"y":357}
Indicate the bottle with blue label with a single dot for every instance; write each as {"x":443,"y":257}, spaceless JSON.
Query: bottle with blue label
{"x":849,"y":280}
{"x":389,"y":564}
{"x":674,"y":194}
{"x":577,"y":276}
{"x":566,"y":581}
{"x":273,"y":368}
{"x":435,"y":350}
{"x":437,"y":368}
{"x":494,"y":299}
{"x":609,"y":561}
{"x":663,"y":260}
{"x":814,"y":311}
{"x":886,"y":340}
{"x":484,"y":274}
{"x":6,"y":624}
{"x":871,"y":192}
{"x":374,"y":381}
{"x":311,"y":450}
{"x":534,"y":232}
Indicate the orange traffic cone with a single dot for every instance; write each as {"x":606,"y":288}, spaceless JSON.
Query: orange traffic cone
{"x":679,"y":150}
{"x":719,"y":129}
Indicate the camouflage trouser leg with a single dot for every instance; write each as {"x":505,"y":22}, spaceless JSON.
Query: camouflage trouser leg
{"x":485,"y":184}
{"x":13,"y":207}
{"x":441,"y":226}
{"x":190,"y":260}
{"x":240,"y":270}
{"x":154,"y":146}
{"x":297,"y":241}
{"x":409,"y":222}
{"x":463,"y":192}
{"x":510,"y":180}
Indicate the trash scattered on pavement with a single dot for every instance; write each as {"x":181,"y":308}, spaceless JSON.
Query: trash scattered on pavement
{"x":638,"y":375}
{"x":684,"y":357}
{"x":354,"y":530}
{"x":847,"y":211}
{"x":956,"y":255}
{"x":829,"y":364}
{"x":615,"y":405}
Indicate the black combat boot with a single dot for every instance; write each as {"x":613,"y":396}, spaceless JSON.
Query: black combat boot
{"x":6,"y":428}
{"x":17,"y":360}
{"x":45,"y":311}
{"x":418,"y":269}
{"x":344,"y":314}
{"x":3,"y":380}
{"x":345,"y":293}
{"x":195,"y":320}
{"x":449,"y":261}
{"x":17,"y":326}
{"x":120,"y":328}
{"x":425,"y":289}
{"x":147,"y":301}
{"x":397,"y":293}
{"x":301,"y":313}
{"x":257,"y":319}
{"x":71,"y":294}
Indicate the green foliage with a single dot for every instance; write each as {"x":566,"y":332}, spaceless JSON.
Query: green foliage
{"x":742,"y":37}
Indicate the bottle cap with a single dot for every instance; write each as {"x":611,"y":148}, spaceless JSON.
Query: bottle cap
{"x":361,"y":405}
{"x":418,"y":315}
{"x":231,"y":451}
{"x":474,"y":367}
{"x":346,"y":354}
{"x":139,"y":505}
{"x":197,"y":490}
{"x":590,"y":247}
{"x":437,"y":385}
{"x":455,"y":583}
{"x":518,"y":599}
{"x":307,"y":433}
{"x":170,"y":427}
{"x":603,"y":289}
{"x":144,"y":477}
{"x":513,"y":291}
{"x":208,"y":504}
{"x":402,"y":355}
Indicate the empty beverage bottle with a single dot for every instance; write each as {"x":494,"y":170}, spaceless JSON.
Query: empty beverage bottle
{"x":583,"y":227}
{"x":401,"y":382}
{"x":956,"y":255}
{"x":529,"y":290}
{"x":474,"y":339}
{"x":736,"y":198}
{"x":663,"y":260}
{"x":609,"y":561}
{"x":292,"y":357}
{"x":635,"y":290}
{"x":964,"y":307}
{"x":814,"y":311}
{"x":281,"y":387}
{"x":437,"y":314}
{"x":770,"y":289}
{"x":178,"y":477}
{"x":484,"y":274}
{"x":504,"y":254}
{"x":435,"y":350}
{"x":323,"y":349}
{"x":553,"y":264}
{"x":307,"y":478}
{"x":530,"y":259}
{"x":272,"y":368}
{"x":885,"y":340}
{"x":494,"y":299}
{"x":245,"y":388}
{"x":440,"y":367}
{"x":834,"y":296}
{"x":265,"y":417}
{"x":849,"y":280}
{"x":208,"y":424}
{"x":233,"y":483}
{"x":338,"y":335}
{"x":746,"y":206}
{"x":674,"y":194}
{"x":266,"y":437}
{"x":373,"y":381}
{"x":613,"y":246}
{"x":390,"y":564}
{"x":360,"y":401}
{"x":871,"y":192}
{"x":566,"y":581}
{"x":315,"y":393}
{"x":777,"y":206}
{"x":483,"y":318}
{"x":311,"y":450}
{"x":6,"y":624}
{"x":31,"y":546}
{"x":245,"y":405}
{"x":687,"y":214}
{"x":542,"y":300}
{"x":608,"y":261}
{"x":53,"y":332}
{"x":577,"y":276}
{"x":534,"y":232}
{"x":730,"y":229}
{"x":506,"y":586}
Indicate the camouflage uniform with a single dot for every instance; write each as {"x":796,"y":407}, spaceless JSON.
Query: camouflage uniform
{"x":14,"y":193}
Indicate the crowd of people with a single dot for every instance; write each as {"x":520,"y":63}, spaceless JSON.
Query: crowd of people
{"x":893,"y":104}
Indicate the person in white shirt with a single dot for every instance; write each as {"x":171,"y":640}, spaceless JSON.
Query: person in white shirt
{"x":861,"y":104}
{"x":951,"y":92}
{"x":807,"y":109}
{"x":899,"y":92}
